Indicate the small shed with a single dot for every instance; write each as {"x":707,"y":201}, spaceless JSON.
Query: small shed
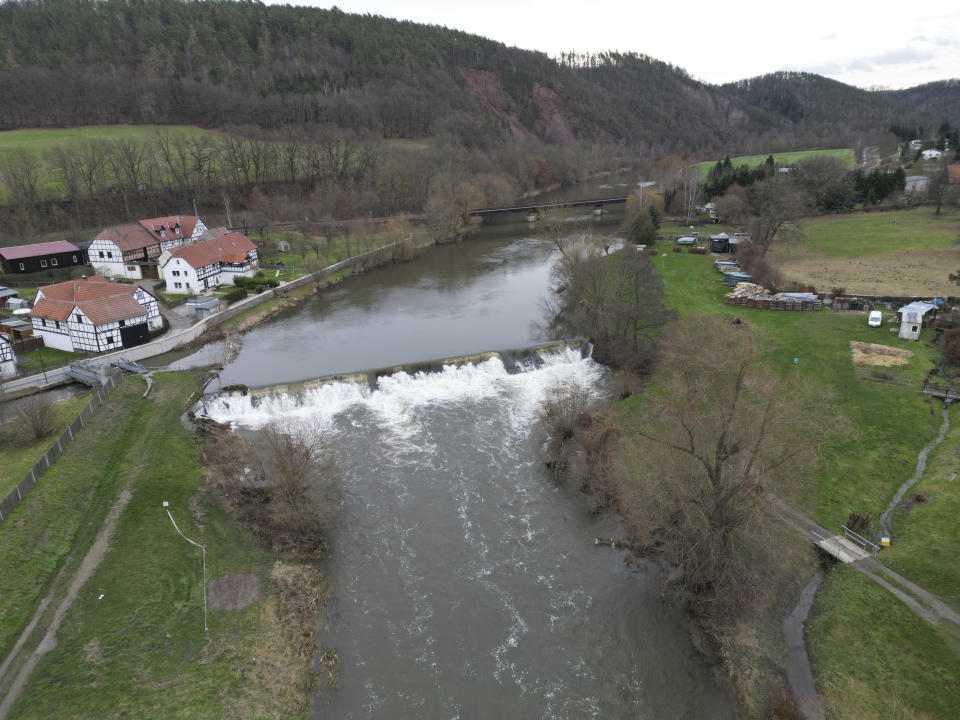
{"x":6,"y":294}
{"x":15,"y":329}
{"x":201,"y":307}
{"x":283,"y":246}
{"x":913,"y":316}
{"x":720,"y":243}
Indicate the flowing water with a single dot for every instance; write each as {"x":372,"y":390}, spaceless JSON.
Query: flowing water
{"x":466,"y":582}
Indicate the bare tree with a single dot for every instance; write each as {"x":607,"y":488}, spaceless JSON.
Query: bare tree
{"x":775,"y":206}
{"x":37,"y":412}
{"x":20,"y":171}
{"x":299,"y":471}
{"x":714,"y":434}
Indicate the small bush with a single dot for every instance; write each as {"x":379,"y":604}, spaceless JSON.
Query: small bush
{"x":234,"y":294}
{"x":697,"y":251}
{"x":677,"y":249}
{"x":650,"y":251}
{"x":951,"y":346}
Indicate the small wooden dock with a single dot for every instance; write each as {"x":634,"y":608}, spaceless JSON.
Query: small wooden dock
{"x":842,"y":549}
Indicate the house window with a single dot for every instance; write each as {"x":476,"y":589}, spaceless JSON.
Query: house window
{"x":80,"y":318}
{"x":178,"y":285}
{"x":123,"y":323}
{"x":74,"y":258}
{"x":57,"y":323}
{"x":109,"y":254}
{"x":44,"y":321}
{"x":109,"y":339}
{"x":188,"y":286}
{"x":53,"y":261}
{"x":101,"y":254}
{"x":915,"y":328}
{"x":163,"y":233}
{"x":43,"y":263}
{"x":22,"y":267}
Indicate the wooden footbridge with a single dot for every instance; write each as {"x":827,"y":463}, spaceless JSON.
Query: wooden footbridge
{"x":595,"y":203}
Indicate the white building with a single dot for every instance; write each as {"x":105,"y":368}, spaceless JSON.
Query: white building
{"x":931,"y":154}
{"x":8,"y":359}
{"x":916,"y":184}
{"x":124,"y":250}
{"x":912,"y":317}
{"x":191,"y":269}
{"x":94,"y":315}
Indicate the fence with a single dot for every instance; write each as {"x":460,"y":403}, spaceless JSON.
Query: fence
{"x":15,"y":496}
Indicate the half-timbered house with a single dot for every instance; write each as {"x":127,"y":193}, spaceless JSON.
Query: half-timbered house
{"x":129,"y":250}
{"x":8,"y":359}
{"x":94,"y":315}
{"x":191,"y":269}
{"x":40,"y":256}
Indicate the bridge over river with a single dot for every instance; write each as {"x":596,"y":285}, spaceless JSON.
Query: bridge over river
{"x":595,"y":203}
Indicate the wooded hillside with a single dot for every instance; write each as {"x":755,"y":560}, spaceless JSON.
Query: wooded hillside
{"x":80,"y":62}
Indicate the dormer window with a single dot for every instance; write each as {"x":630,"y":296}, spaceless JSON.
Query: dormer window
{"x":163,"y":233}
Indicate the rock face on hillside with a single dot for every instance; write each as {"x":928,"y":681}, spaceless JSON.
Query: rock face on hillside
{"x":551,"y":117}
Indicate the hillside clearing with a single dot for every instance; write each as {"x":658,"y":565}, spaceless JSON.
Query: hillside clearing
{"x":785,"y":158}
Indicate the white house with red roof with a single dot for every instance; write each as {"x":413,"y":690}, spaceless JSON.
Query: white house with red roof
{"x":8,"y":359}
{"x":94,"y":315}
{"x":191,"y":269}
{"x":124,"y":250}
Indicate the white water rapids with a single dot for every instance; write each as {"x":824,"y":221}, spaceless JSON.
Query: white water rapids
{"x":466,"y":582}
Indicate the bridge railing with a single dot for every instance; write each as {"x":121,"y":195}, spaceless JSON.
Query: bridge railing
{"x":868,"y":546}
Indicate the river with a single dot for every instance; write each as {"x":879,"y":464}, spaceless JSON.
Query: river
{"x":466,"y":582}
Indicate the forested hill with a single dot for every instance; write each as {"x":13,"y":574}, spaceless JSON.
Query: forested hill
{"x":76,"y":62}
{"x":940,"y":98}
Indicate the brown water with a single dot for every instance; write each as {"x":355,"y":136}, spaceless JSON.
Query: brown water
{"x":466,"y":582}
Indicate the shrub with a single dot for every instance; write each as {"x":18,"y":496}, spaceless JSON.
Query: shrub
{"x":234,"y":294}
{"x":677,"y":249}
{"x":697,"y":251}
{"x":951,"y":346}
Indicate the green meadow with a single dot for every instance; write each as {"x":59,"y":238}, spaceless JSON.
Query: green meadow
{"x":786,"y":158}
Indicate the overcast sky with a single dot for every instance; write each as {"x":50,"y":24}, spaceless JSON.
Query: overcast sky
{"x":880,"y":43}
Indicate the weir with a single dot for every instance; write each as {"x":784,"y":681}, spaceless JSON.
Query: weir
{"x":370,"y":377}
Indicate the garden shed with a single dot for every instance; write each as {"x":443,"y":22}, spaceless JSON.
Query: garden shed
{"x":913,"y":316}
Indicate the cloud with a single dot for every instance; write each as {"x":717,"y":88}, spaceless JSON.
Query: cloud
{"x":907,"y":56}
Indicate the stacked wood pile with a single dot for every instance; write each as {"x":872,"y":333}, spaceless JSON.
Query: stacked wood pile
{"x":852,"y":303}
{"x":752,"y":295}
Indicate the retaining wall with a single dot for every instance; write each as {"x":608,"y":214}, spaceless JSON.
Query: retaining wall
{"x":59,"y":445}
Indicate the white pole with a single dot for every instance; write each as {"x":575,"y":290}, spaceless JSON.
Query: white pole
{"x":203,"y":549}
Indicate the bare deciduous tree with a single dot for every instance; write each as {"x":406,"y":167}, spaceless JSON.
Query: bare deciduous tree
{"x":775,"y":205}
{"x":716,"y":432}
{"x":38,"y":413}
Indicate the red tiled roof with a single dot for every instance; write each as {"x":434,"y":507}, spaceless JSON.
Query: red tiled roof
{"x":232,"y":248}
{"x":187,"y":224}
{"x":18,"y":252}
{"x":953,"y":174}
{"x":128,"y":237}
{"x":101,"y":301}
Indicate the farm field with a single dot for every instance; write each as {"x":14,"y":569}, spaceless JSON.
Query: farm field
{"x":36,"y":140}
{"x":898,"y":660}
{"x":896,"y":252}
{"x":787,"y":158}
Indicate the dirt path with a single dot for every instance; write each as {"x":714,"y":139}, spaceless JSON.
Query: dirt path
{"x":886,"y":519}
{"x":89,"y":565}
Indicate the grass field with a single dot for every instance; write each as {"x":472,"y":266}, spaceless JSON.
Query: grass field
{"x":898,"y":252}
{"x":38,"y":141}
{"x":873,"y":658}
{"x":787,"y":158}
{"x":20,"y":450}
{"x":863,"y":636}
{"x":34,"y":361}
{"x":133,"y":641}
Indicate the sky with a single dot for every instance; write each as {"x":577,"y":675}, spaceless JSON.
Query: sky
{"x":876,"y":44}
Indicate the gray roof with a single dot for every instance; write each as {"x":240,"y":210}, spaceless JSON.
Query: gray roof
{"x":6,"y":292}
{"x":918,"y":306}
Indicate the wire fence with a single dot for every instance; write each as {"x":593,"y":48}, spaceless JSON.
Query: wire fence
{"x":100,"y":394}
